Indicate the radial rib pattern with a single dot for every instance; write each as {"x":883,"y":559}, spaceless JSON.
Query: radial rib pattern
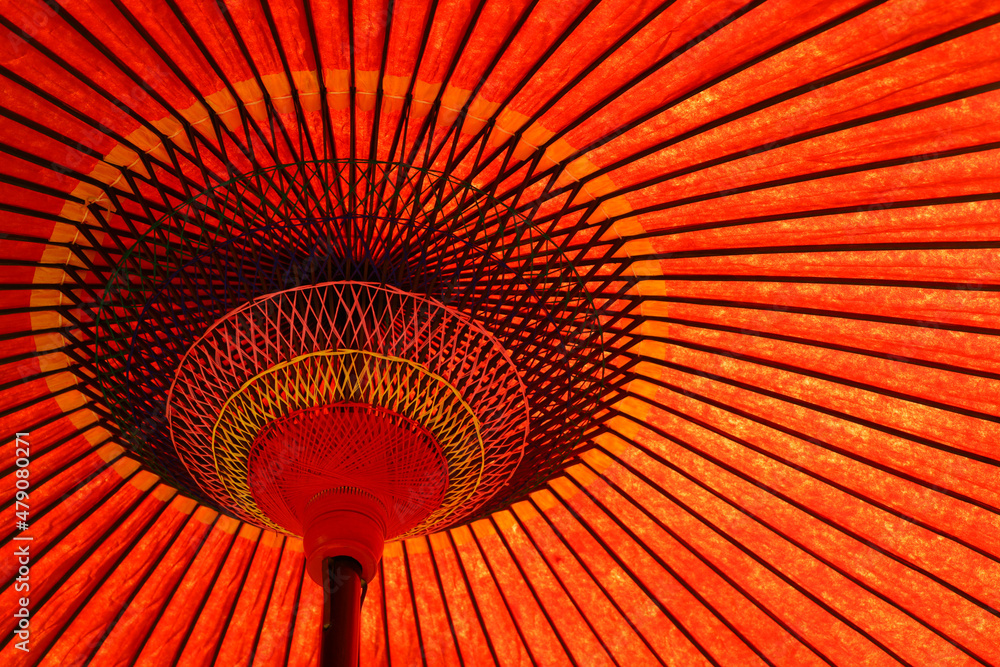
{"x":778,"y":223}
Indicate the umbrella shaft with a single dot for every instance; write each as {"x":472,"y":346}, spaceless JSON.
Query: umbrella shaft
{"x":342,"y":612}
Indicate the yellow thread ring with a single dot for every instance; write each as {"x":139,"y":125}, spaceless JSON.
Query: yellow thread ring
{"x":344,"y":376}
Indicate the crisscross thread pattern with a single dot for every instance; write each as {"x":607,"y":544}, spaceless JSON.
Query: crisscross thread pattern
{"x":349,"y":343}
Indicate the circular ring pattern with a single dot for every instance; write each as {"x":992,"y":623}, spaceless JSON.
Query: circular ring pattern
{"x":349,"y":343}
{"x":349,"y":376}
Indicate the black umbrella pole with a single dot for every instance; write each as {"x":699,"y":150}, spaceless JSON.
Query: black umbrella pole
{"x":342,"y":588}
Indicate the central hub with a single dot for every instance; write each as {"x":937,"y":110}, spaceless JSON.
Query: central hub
{"x":349,"y":414}
{"x":346,"y":477}
{"x":326,"y":380}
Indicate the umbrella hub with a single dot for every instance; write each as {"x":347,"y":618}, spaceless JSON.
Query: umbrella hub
{"x":349,"y":390}
{"x":346,"y":477}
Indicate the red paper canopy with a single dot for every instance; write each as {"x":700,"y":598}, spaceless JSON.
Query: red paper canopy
{"x":762,"y":234}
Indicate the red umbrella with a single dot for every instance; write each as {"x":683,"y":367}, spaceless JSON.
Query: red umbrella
{"x":658,"y":332}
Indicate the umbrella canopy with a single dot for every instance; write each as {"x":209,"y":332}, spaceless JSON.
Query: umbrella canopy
{"x":735,"y":262}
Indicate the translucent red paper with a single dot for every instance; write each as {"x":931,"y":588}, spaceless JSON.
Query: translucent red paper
{"x":800,"y":195}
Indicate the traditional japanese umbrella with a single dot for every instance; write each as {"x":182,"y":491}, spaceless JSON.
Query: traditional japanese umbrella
{"x":556,"y":332}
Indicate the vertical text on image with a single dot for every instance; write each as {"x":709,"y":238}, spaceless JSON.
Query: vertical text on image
{"x":22,"y":584}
